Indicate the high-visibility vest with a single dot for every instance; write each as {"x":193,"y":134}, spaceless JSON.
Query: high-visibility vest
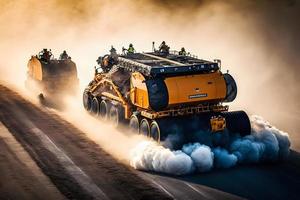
{"x":130,"y":50}
{"x":183,"y":53}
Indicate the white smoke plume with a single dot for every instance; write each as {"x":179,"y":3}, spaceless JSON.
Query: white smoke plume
{"x":265,"y":144}
{"x":149,"y":155}
{"x":201,"y":155}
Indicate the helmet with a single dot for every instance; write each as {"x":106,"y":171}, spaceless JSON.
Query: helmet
{"x":130,"y":45}
{"x":163,"y":42}
{"x":112,"y":49}
{"x":182,"y":49}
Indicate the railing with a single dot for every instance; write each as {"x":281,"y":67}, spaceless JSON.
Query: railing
{"x":174,"y":52}
{"x":184,"y":111}
{"x":133,"y":66}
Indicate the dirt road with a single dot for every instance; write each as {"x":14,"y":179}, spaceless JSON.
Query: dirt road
{"x":78,"y":167}
{"x":42,"y":155}
{"x":21,"y":178}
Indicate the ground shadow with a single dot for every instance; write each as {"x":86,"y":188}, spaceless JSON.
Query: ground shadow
{"x":259,"y":181}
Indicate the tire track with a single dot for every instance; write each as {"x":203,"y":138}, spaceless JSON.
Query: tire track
{"x":17,"y":165}
{"x":30,"y":128}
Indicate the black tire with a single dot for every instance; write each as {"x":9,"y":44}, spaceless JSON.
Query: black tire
{"x":145,"y":127}
{"x":155,"y":131}
{"x":134,"y":124}
{"x":95,"y":106}
{"x":104,"y":109}
{"x":115,"y":115}
{"x":231,"y":88}
{"x":87,"y":100}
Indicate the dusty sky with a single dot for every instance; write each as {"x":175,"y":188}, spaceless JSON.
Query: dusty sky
{"x":257,"y":41}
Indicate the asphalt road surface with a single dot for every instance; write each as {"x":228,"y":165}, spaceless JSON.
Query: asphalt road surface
{"x":21,"y":178}
{"x":42,"y":154}
{"x":262,"y":181}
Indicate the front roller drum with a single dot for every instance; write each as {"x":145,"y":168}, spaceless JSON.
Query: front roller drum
{"x":237,"y":122}
{"x":195,"y":126}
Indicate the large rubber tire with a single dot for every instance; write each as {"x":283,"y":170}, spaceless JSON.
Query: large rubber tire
{"x":95,"y":106}
{"x":104,"y":109}
{"x":155,"y":131}
{"x":87,"y":100}
{"x":231,"y":88}
{"x":157,"y":93}
{"x":145,"y":127}
{"x":172,"y":127}
{"x":116,"y":115}
{"x":134,"y":124}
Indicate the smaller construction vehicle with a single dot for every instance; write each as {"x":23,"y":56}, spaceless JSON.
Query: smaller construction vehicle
{"x":52,"y":77}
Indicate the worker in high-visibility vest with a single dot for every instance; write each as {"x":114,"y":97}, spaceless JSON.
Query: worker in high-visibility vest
{"x":130,"y":49}
{"x":64,"y":55}
{"x":182,"y":52}
{"x":163,"y":48}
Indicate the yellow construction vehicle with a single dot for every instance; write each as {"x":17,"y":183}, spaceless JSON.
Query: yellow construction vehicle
{"x":161,"y":93}
{"x":51,"y":77}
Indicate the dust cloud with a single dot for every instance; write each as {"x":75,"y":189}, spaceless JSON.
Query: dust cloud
{"x":257,"y":41}
{"x":116,"y":142}
{"x":265,"y":144}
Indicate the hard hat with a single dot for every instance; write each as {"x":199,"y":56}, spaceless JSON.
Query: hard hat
{"x":112,"y":49}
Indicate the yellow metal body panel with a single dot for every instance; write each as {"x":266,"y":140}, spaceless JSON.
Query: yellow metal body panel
{"x":181,"y":89}
{"x":196,"y":88}
{"x":35,"y":68}
{"x":139,"y":91}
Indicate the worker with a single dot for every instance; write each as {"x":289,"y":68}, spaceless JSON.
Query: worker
{"x":182,"y":52}
{"x":64,"y":55}
{"x":104,"y":63}
{"x":130,"y":49}
{"x":50,"y":54}
{"x":163,"y":48}
{"x":45,"y":55}
{"x":112,"y":50}
{"x":113,"y":53}
{"x":112,"y":59}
